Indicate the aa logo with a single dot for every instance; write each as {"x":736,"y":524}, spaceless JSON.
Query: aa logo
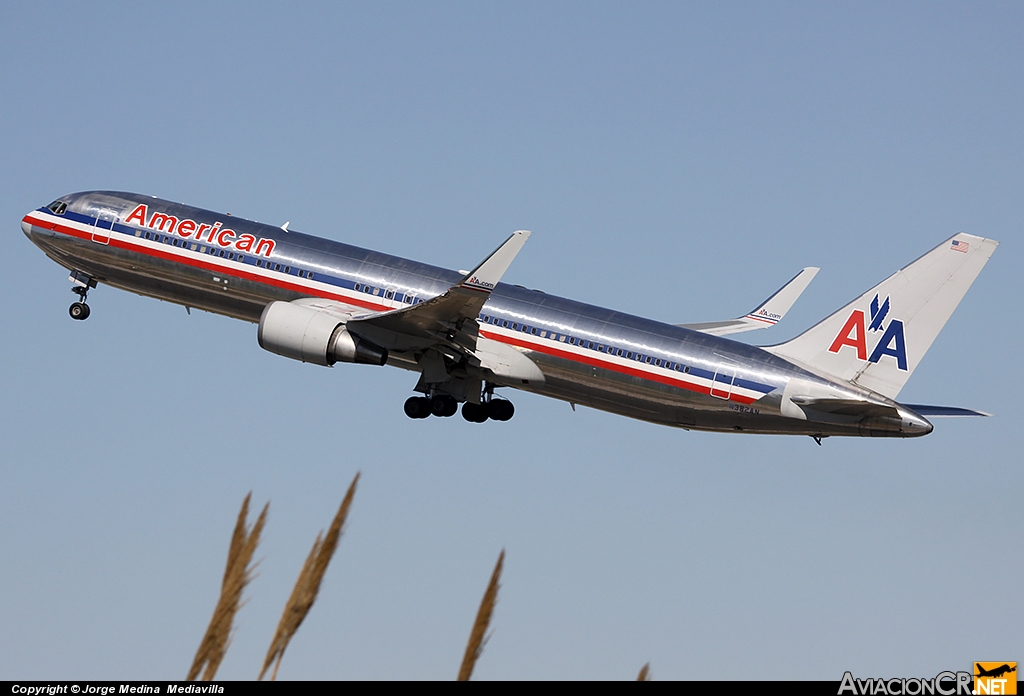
{"x":855,"y":334}
{"x":995,"y":678}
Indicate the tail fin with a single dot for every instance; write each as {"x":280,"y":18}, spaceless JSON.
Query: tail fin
{"x":878,"y":339}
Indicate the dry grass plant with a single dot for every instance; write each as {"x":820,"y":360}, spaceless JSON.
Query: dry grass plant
{"x":237,"y":575}
{"x":645,"y":673}
{"x":477,"y":638}
{"x":308,"y":585}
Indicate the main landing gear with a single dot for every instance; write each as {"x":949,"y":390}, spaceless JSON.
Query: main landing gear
{"x":443,"y":405}
{"x":440,"y":405}
{"x":80,"y":310}
{"x":495,"y":409}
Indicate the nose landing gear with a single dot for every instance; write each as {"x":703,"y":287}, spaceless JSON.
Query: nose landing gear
{"x":80,"y":310}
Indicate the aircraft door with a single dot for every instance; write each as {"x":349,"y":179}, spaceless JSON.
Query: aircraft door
{"x":104,"y":224}
{"x":721,"y":385}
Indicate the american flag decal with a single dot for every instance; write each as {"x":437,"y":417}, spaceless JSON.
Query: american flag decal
{"x":960,"y":246}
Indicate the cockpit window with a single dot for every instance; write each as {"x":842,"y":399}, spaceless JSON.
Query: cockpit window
{"x":58,"y":207}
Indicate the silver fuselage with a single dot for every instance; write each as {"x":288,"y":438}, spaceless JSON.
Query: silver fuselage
{"x":589,"y":355}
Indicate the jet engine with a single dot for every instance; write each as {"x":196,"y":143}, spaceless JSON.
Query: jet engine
{"x":314,"y":336}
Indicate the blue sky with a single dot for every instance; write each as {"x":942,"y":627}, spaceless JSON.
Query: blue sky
{"x":675,"y":160}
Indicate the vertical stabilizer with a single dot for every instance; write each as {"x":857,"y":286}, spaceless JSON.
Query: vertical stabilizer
{"x":877,"y":340}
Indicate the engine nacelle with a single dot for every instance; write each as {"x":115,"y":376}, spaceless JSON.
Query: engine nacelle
{"x":314,"y":336}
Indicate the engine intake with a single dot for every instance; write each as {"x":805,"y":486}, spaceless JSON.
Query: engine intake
{"x":314,"y":336}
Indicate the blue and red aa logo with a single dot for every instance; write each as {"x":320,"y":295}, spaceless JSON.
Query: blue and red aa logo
{"x":854,"y":334}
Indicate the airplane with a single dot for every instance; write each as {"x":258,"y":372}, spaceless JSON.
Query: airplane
{"x":466,"y":333}
{"x":995,"y":672}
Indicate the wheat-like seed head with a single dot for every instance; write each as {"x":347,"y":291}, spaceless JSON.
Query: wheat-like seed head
{"x":237,"y":574}
{"x":477,"y":638}
{"x":308,"y":585}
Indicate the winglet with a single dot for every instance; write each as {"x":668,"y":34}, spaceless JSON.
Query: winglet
{"x":776,"y":306}
{"x":767,"y":314}
{"x":485,"y":277}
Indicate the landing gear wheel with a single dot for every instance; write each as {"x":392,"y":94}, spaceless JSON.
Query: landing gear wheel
{"x":443,"y":405}
{"x":501,"y":409}
{"x":79,"y":310}
{"x":417,"y":407}
{"x":474,"y":413}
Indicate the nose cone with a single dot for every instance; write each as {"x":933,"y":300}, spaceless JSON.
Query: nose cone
{"x":26,"y":227}
{"x":914,"y":425}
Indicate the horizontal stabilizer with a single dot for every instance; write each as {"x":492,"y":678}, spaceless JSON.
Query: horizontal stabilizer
{"x":845,"y":407}
{"x":764,"y":316}
{"x":944,"y":411}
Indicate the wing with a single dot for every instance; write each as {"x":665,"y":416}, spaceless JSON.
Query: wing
{"x":449,"y":318}
{"x":766,"y":315}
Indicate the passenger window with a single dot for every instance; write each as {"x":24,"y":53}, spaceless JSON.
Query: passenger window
{"x":390,"y":294}
{"x":543,"y":334}
{"x":138,"y":233}
{"x":561,"y":337}
{"x":686,"y":369}
{"x":376,"y":291}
